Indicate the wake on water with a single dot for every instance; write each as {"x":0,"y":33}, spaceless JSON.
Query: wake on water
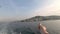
{"x":28,"y":27}
{"x":4,"y":28}
{"x":17,"y":28}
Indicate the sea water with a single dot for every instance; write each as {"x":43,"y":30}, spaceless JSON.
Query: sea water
{"x":53,"y":27}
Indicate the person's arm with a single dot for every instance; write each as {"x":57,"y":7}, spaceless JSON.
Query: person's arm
{"x":43,"y":29}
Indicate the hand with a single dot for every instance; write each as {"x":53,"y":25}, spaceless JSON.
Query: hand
{"x":42,"y":29}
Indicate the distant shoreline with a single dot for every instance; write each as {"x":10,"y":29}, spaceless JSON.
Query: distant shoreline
{"x":41,"y":18}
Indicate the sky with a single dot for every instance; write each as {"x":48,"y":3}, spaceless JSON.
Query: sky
{"x":21,"y":9}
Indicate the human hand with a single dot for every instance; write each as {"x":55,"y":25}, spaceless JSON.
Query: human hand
{"x":42,"y":29}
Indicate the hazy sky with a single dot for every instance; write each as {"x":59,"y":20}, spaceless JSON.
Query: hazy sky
{"x":20,"y":9}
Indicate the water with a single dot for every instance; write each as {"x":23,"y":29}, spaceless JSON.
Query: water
{"x":53,"y":27}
